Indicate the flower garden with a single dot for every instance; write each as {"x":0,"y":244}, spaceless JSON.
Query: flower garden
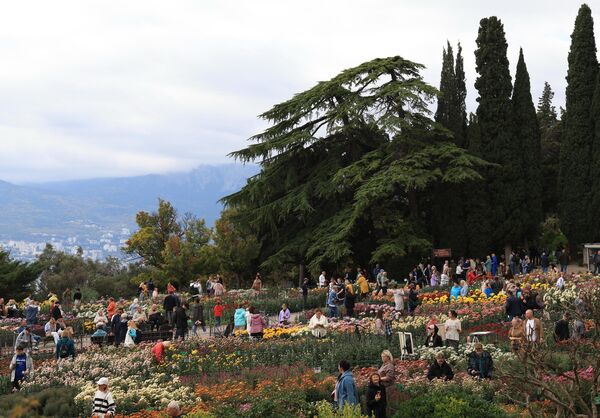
{"x":290,"y":373}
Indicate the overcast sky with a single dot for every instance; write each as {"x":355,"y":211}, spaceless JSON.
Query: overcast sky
{"x":114,"y":88}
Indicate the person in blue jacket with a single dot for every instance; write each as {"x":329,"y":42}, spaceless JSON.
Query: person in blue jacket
{"x":455,"y":292}
{"x":345,"y":389}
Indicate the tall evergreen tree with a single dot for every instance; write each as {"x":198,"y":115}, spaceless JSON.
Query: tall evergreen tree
{"x":477,"y":219}
{"x":507,"y":207}
{"x":447,"y":207}
{"x":460,"y":119}
{"x":574,"y":180}
{"x":344,"y":168}
{"x":527,"y":134}
{"x":550,"y":132}
{"x":594,"y":218}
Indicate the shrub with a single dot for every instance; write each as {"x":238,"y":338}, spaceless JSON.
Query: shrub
{"x":452,"y":403}
{"x":49,"y":402}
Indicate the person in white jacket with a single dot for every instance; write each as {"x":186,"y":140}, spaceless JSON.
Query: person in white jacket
{"x":318,"y":324}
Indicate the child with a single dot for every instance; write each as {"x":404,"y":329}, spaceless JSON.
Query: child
{"x":104,"y":404}
{"x":21,"y":366}
{"x":218,"y":310}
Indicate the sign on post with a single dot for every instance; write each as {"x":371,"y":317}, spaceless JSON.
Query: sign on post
{"x":442,"y":252}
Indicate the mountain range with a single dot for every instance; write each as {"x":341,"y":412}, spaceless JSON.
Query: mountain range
{"x":74,"y":208}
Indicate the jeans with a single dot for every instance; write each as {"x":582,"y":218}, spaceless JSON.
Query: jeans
{"x":180,"y":332}
{"x":544,"y":269}
{"x":563,"y":268}
{"x":217,"y":321}
{"x":195,"y":328}
{"x":169,"y":315}
{"x":333,"y":311}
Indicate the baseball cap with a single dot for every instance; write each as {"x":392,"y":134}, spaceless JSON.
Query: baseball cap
{"x":102,"y":381}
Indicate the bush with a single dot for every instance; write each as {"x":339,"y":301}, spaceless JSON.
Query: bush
{"x":326,"y":410}
{"x":49,"y":402}
{"x":451,"y":403}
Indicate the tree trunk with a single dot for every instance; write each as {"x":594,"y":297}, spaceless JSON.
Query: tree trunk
{"x":300,"y":274}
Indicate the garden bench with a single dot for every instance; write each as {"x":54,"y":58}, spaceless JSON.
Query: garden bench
{"x":156,"y":335}
{"x":109,"y":339}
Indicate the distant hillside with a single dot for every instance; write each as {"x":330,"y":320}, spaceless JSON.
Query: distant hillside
{"x":65,"y":208}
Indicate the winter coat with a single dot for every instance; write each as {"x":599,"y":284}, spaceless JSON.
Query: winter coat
{"x":345,"y":389}
{"x":376,"y":408}
{"x":257,"y":323}
{"x":483,"y":365}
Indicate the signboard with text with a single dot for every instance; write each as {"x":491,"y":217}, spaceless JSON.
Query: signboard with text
{"x":442,"y":252}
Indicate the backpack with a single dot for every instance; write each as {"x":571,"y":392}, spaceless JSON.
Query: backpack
{"x":63,"y":351}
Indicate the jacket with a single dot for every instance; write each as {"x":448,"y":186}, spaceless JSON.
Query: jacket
{"x":513,"y":307}
{"x":13,"y":366}
{"x":257,"y":323}
{"x":363,"y":284}
{"x":198,"y":314}
{"x":539,"y":332}
{"x":561,"y":330}
{"x":345,"y":389}
{"x":180,"y":318}
{"x":433,"y":340}
{"x":376,"y":408}
{"x":170,"y":302}
{"x":483,"y":365}
{"x":239,"y":317}
{"x":24,"y":340}
{"x":440,"y":372}
{"x":70,"y":347}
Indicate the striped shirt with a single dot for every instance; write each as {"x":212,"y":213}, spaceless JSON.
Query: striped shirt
{"x":103,"y":403}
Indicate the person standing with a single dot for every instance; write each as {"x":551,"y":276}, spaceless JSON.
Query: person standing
{"x":77,"y":299}
{"x":564,"y":260}
{"x":345,"y":389}
{"x":31,"y":312}
{"x":104,"y":404}
{"x":218,"y":312}
{"x":322,"y":280}
{"x":453,"y":330}
{"x":256,"y":323}
{"x":516,"y":334}
{"x":257,"y":284}
{"x":198,"y":316}
{"x":180,"y":319}
{"x":331,"y":302}
{"x":56,"y":311}
{"x":169,"y":304}
{"x":513,"y":306}
{"x":115,"y":326}
{"x":413,"y":299}
{"x":544,"y":262}
{"x":21,"y":367}
{"x":111,"y":309}
{"x":494,"y":265}
{"x":376,"y":397}
{"x":304,"y":293}
{"x":561,"y":329}
{"x":533,"y":329}
{"x":398,"y":293}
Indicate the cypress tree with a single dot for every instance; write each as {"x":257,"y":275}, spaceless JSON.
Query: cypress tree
{"x":574,"y":180}
{"x":550,"y":132}
{"x":527,"y":134}
{"x":595,"y":166}
{"x":447,"y":214}
{"x":506,"y":191}
{"x":460,"y":118}
{"x":478,"y":228}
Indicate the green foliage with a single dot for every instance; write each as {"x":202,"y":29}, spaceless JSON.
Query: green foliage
{"x":175,"y":250}
{"x":552,"y":237}
{"x":550,"y":130}
{"x":447,"y":205}
{"x":527,"y":134}
{"x":16,"y":277}
{"x":60,"y":271}
{"x":506,"y":189}
{"x":236,"y":249}
{"x":326,"y":410}
{"x":575,"y":176}
{"x":49,"y":402}
{"x":342,"y":158}
{"x":453,"y":402}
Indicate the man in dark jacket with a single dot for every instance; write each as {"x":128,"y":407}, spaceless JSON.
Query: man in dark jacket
{"x":198,"y":316}
{"x":171,"y":301}
{"x":513,"y":306}
{"x":561,"y":329}
{"x":115,"y":326}
{"x":480,"y":363}
{"x":180,"y":320}
{"x":440,"y":369}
